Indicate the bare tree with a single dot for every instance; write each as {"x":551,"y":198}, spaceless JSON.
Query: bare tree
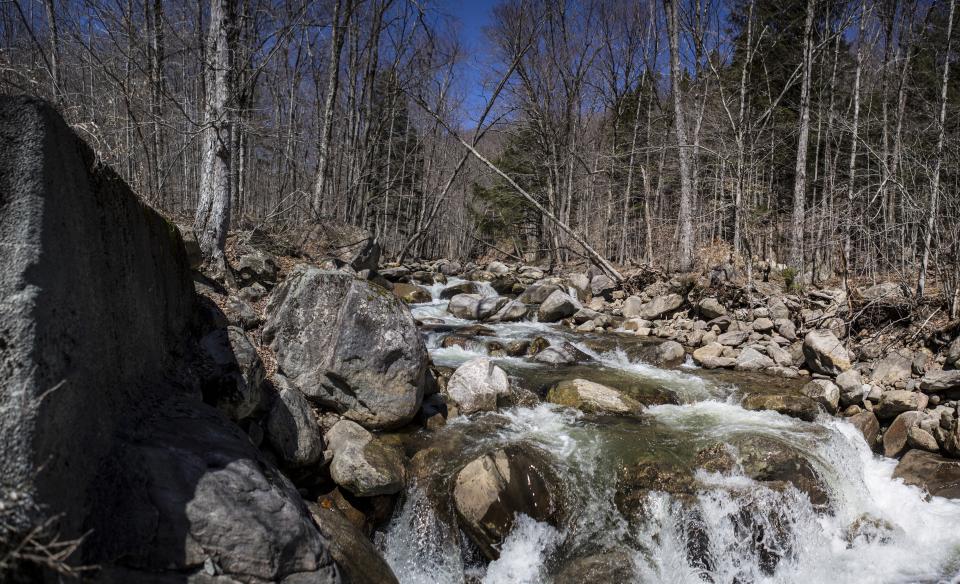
{"x":685,"y":214}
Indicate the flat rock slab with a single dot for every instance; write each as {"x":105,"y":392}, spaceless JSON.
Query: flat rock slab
{"x":937,"y":475}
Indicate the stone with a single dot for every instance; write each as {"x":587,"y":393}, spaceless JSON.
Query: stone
{"x":918,"y":437}
{"x":233,"y":378}
{"x":466,"y":306}
{"x":460,"y":288}
{"x":489,"y":306}
{"x":257,"y":266}
{"x":349,"y":345}
{"x":851,"y":388}
{"x":411,"y":293}
{"x":786,"y":329}
{"x":291,"y":429}
{"x":669,"y":353}
{"x":592,"y":398}
{"x":797,"y":406}
{"x":888,"y":291}
{"x":710,"y":308}
{"x":953,"y":354}
{"x":512,"y":311}
{"x":355,"y":555}
{"x":497,"y":268}
{"x":580,"y":283}
{"x":935,"y":474}
{"x":897,"y":401}
{"x":240,"y":314}
{"x":363,"y":464}
{"x":824,"y":392}
{"x":892,"y":369}
{"x":936,"y":381}
{"x":752,"y":360}
{"x":564,"y":354}
{"x":778,"y":309}
{"x":762,"y":325}
{"x":895,"y":437}
{"x":733,"y":338}
{"x":825,"y":353}
{"x":659,"y":307}
{"x":491,"y":490}
{"x":868,"y":425}
{"x":476,"y":385}
{"x":538,"y":292}
{"x":780,"y":356}
{"x":557,"y":306}
{"x":602,"y":285}
{"x":253,"y":293}
{"x":612,"y":566}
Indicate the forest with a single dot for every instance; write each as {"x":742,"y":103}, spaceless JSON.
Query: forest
{"x":817,"y":136}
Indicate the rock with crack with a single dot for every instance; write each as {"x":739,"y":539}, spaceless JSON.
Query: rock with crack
{"x":348,"y":345}
{"x":477,"y":384}
{"x":362,"y":464}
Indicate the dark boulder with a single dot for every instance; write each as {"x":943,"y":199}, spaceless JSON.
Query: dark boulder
{"x":348,"y":345}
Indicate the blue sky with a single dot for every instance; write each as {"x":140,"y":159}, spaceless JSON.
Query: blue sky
{"x":473,"y":16}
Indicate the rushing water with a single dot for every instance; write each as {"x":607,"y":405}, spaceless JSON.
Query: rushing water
{"x":875,"y":529}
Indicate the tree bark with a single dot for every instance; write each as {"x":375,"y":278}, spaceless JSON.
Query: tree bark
{"x":935,"y":181}
{"x":800,"y":180}
{"x":685,"y":217}
{"x":213,"y":210}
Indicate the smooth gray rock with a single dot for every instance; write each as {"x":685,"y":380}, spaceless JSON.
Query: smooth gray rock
{"x":750,"y":359}
{"x":659,"y":306}
{"x":348,"y":345}
{"x":710,"y":308}
{"x":564,"y":354}
{"x":602,"y":285}
{"x":592,"y":397}
{"x":362,"y":464}
{"x":824,"y":392}
{"x":825,"y":353}
{"x":512,"y":311}
{"x":557,"y":306}
{"x":891,"y":369}
{"x":465,"y":306}
{"x":733,"y":338}
{"x":257,"y":266}
{"x":953,"y":353}
{"x":937,"y":475}
{"x":291,"y":428}
{"x":461,"y":288}
{"x":351,"y":549}
{"x":850,"y":385}
{"x":537,"y":293}
{"x":476,"y":385}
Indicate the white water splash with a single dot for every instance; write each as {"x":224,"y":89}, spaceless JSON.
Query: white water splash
{"x":523,"y":553}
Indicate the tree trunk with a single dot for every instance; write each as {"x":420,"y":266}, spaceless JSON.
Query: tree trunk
{"x":213,"y":210}
{"x":686,"y":183}
{"x":800,"y":180}
{"x":935,"y":181}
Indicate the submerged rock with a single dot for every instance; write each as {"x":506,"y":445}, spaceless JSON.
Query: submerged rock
{"x":491,"y":490}
{"x":348,"y":345}
{"x":592,"y":397}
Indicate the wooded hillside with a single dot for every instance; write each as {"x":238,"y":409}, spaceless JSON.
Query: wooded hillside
{"x":817,"y":137}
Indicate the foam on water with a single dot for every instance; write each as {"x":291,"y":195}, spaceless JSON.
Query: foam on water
{"x":523,"y":553}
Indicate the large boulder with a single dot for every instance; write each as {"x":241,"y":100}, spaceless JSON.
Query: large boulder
{"x":658,"y":307}
{"x":557,"y":306}
{"x":512,"y":311}
{"x":592,"y":397}
{"x":465,"y":287}
{"x":710,"y":308}
{"x":354,"y":553}
{"x":897,"y":401}
{"x":411,"y":293}
{"x":103,"y":431}
{"x":538,"y":292}
{"x":935,"y":474}
{"x":476,"y":385}
{"x":349,"y":345}
{"x":797,"y":406}
{"x":750,"y":359}
{"x":490,"y":491}
{"x":825,"y":353}
{"x":362,"y":464}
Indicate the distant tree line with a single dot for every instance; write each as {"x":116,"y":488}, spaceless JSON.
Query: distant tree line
{"x":820,"y":137}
